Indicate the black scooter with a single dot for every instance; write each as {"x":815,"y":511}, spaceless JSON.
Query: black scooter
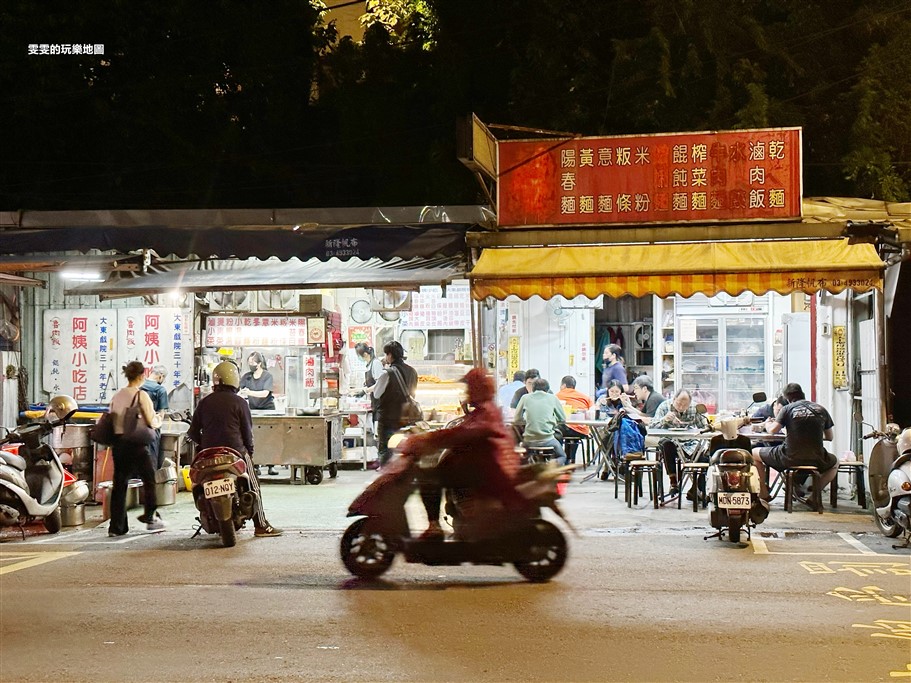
{"x":485,"y":534}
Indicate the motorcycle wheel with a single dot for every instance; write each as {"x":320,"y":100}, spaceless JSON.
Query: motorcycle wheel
{"x":890,"y":529}
{"x":314,"y":475}
{"x":333,"y":470}
{"x":366,"y":553}
{"x":53,"y":522}
{"x":548,"y":544}
{"x":228,"y":532}
{"x":734,"y":533}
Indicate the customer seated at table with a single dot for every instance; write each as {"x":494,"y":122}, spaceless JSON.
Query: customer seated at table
{"x":541,"y":412}
{"x":580,"y":403}
{"x":674,"y":413}
{"x":808,"y":424}
{"x":766,"y":411}
{"x":530,"y":376}
{"x":644,"y":391}
{"x":507,"y":391}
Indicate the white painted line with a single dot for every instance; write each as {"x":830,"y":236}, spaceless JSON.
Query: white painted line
{"x":759,"y":546}
{"x":854,"y":543}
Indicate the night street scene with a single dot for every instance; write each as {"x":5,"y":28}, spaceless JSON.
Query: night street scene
{"x":455,"y":341}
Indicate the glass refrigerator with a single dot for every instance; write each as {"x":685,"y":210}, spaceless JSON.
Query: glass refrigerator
{"x":722,"y":359}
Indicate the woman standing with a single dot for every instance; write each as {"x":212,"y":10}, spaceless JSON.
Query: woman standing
{"x":613,"y":367}
{"x":256,"y":385}
{"x":372,"y":372}
{"x":132,"y":457}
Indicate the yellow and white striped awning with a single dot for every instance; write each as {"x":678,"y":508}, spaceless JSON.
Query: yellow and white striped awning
{"x":686,"y":269}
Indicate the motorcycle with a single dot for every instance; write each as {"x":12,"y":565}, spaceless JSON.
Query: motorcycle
{"x":31,"y":474}
{"x":732,"y":485}
{"x":890,"y":481}
{"x":222,"y":492}
{"x":484,"y":533}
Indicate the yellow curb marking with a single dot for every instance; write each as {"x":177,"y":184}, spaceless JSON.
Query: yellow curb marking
{"x":13,"y":562}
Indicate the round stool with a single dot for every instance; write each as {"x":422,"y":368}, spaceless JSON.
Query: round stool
{"x":789,"y":475}
{"x":539,"y":454}
{"x":857,"y":467}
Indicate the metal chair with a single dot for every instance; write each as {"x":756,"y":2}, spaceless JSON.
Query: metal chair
{"x":635,"y":470}
{"x":691,"y":471}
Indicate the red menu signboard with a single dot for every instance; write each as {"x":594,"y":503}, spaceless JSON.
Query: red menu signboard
{"x":664,"y":178}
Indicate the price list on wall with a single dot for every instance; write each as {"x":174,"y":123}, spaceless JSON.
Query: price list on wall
{"x":432,"y":310}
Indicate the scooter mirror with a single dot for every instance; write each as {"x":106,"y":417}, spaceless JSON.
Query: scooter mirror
{"x":701,"y":409}
{"x":759,"y":397}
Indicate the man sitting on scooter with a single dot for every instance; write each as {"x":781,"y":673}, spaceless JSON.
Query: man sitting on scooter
{"x":481,"y":454}
{"x":808,"y":425}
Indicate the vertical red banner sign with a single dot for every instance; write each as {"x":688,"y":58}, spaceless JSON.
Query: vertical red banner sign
{"x":663,"y":178}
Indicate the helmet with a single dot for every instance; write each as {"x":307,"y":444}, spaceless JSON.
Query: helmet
{"x":226,"y":373}
{"x":60,"y":406}
{"x":904,"y":441}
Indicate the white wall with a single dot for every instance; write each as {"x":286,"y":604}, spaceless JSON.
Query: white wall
{"x":557,"y":347}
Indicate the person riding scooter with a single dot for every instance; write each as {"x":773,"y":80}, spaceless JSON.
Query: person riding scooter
{"x":481,"y":455}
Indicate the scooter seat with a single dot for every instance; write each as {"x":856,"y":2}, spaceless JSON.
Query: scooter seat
{"x":13,"y":460}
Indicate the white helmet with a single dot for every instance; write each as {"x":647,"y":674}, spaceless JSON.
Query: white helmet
{"x":904,"y":441}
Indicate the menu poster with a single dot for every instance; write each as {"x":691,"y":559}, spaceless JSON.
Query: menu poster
{"x":84,"y":350}
{"x":435,"y":307}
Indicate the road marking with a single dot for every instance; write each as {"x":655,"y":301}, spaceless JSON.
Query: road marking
{"x":850,"y":540}
{"x":13,"y":562}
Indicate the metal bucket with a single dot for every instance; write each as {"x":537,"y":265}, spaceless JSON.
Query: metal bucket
{"x":72,"y":515}
{"x":166,"y":493}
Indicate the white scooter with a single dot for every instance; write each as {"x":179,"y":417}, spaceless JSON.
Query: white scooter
{"x":890,"y":482}
{"x":31,"y":474}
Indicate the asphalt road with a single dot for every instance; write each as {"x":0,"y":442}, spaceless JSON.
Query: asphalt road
{"x":643,"y":598}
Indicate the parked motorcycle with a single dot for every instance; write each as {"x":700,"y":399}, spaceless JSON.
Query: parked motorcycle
{"x":484,"y":533}
{"x":222,"y":492}
{"x":732,"y":485}
{"x":890,"y":481}
{"x":31,"y":474}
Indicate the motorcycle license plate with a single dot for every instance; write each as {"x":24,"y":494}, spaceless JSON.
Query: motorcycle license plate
{"x":734,"y":500}
{"x":219,"y":487}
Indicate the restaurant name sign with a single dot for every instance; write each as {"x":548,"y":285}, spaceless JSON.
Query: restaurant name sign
{"x":663,"y":178}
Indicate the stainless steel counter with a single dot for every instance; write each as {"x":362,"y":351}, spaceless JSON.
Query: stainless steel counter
{"x":291,"y":440}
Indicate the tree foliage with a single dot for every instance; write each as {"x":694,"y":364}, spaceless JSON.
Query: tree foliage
{"x":249,"y":104}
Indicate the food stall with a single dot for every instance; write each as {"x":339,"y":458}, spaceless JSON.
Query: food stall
{"x":302,"y":354}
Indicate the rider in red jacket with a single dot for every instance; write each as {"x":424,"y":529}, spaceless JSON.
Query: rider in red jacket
{"x":480,"y":453}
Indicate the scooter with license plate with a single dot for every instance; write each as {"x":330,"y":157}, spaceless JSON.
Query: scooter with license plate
{"x":222,"y":492}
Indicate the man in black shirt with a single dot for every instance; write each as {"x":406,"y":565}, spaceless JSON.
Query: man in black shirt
{"x":808,"y":425}
{"x":223,"y":419}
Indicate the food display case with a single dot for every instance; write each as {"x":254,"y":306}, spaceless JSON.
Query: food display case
{"x":440,"y":391}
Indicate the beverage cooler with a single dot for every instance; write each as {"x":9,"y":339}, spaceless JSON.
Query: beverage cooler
{"x":722,"y":359}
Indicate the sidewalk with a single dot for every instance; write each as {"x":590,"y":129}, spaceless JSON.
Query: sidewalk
{"x":590,"y":507}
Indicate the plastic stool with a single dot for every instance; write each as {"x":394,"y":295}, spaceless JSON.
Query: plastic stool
{"x":789,"y":475}
{"x":857,"y":467}
{"x":580,"y":443}
{"x":537,"y":454}
{"x":626,"y":460}
{"x":634,"y":472}
{"x":691,"y":470}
